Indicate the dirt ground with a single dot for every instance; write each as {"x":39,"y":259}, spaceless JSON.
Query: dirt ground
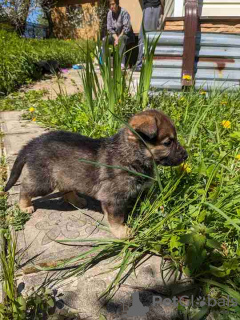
{"x":69,"y":82}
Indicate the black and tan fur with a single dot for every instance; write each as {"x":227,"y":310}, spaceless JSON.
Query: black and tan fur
{"x":52,"y":161}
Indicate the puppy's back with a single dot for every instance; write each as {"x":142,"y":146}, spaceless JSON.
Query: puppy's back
{"x":56,"y":149}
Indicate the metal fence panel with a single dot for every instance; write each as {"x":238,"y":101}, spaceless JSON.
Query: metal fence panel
{"x":217,"y":62}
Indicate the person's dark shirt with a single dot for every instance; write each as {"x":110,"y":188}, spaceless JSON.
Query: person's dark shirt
{"x":151,"y":3}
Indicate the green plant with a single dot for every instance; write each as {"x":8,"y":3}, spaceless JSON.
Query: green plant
{"x":14,"y":305}
{"x":21,"y":101}
{"x":37,"y":304}
{"x":146,"y":70}
{"x":18,"y":57}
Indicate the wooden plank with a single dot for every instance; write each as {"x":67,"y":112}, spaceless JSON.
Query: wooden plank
{"x":174,"y":23}
{"x":220,"y":19}
{"x":189,"y":47}
{"x":220,"y":30}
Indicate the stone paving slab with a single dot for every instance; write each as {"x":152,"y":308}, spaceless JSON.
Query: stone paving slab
{"x":81,"y":295}
{"x":54,"y":220}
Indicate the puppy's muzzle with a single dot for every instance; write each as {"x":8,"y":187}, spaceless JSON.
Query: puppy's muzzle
{"x":177,"y":156}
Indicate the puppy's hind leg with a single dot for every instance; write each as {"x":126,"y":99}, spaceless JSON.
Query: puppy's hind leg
{"x":75,"y":200}
{"x":25,"y":203}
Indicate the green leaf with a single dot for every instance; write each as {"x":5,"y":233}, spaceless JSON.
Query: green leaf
{"x":193,"y":210}
{"x":211,"y":243}
{"x":102,"y":317}
{"x":175,"y":243}
{"x":232,"y":293}
{"x":235,"y":135}
{"x":22,"y":303}
{"x":50,"y":302}
{"x":201,"y":314}
{"x":219,"y":272}
{"x":223,"y":214}
{"x":186,"y":238}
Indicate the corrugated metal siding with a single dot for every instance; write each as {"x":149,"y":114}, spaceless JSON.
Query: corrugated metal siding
{"x":217,"y":63}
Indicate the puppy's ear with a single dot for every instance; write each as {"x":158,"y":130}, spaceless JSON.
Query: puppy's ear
{"x":144,"y":125}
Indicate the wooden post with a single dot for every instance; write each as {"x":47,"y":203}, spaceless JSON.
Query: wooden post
{"x":189,"y":46}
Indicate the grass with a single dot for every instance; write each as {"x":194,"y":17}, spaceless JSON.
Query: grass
{"x":191,"y":215}
{"x":18,"y":56}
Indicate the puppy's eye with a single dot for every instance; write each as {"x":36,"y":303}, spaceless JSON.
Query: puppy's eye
{"x":167,"y":143}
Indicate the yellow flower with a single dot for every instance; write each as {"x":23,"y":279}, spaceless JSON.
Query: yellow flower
{"x":182,"y":99}
{"x":185,"y":167}
{"x":226,"y":124}
{"x":187,"y":77}
{"x":31,"y":109}
{"x":203,"y":93}
{"x":238,"y":157}
{"x":34,"y":119}
{"x":223,"y":102}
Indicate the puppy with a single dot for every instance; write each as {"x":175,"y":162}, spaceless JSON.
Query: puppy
{"x":58,"y":160}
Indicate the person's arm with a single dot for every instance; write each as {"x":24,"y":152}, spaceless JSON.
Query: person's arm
{"x":127,"y":27}
{"x":110,"y":28}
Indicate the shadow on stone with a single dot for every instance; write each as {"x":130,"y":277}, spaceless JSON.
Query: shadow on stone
{"x":55,"y":201}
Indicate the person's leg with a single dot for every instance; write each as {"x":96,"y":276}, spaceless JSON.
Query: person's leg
{"x":150,"y":23}
{"x":104,"y":43}
{"x":123,"y":42}
{"x":140,"y":44}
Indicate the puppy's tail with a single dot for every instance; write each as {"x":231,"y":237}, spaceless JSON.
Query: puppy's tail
{"x":16,"y":171}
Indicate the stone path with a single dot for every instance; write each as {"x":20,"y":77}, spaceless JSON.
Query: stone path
{"x":53,"y":220}
{"x":69,"y":83}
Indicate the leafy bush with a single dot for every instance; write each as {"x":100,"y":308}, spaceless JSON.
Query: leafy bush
{"x":18,"y":55}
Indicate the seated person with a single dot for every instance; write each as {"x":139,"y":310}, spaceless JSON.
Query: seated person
{"x":119,"y":28}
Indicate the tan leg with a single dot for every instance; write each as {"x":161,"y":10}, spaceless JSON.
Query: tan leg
{"x":116,"y":222}
{"x":73,"y":199}
{"x":25,"y":203}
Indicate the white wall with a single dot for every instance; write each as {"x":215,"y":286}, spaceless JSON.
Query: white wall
{"x":220,"y":7}
{"x":211,"y":8}
{"x":178,"y":8}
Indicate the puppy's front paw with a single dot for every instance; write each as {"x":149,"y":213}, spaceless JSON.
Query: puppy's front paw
{"x":122,"y":232}
{"x":29,"y":210}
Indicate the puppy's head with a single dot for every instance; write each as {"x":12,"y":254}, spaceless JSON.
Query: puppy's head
{"x":159,"y":134}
